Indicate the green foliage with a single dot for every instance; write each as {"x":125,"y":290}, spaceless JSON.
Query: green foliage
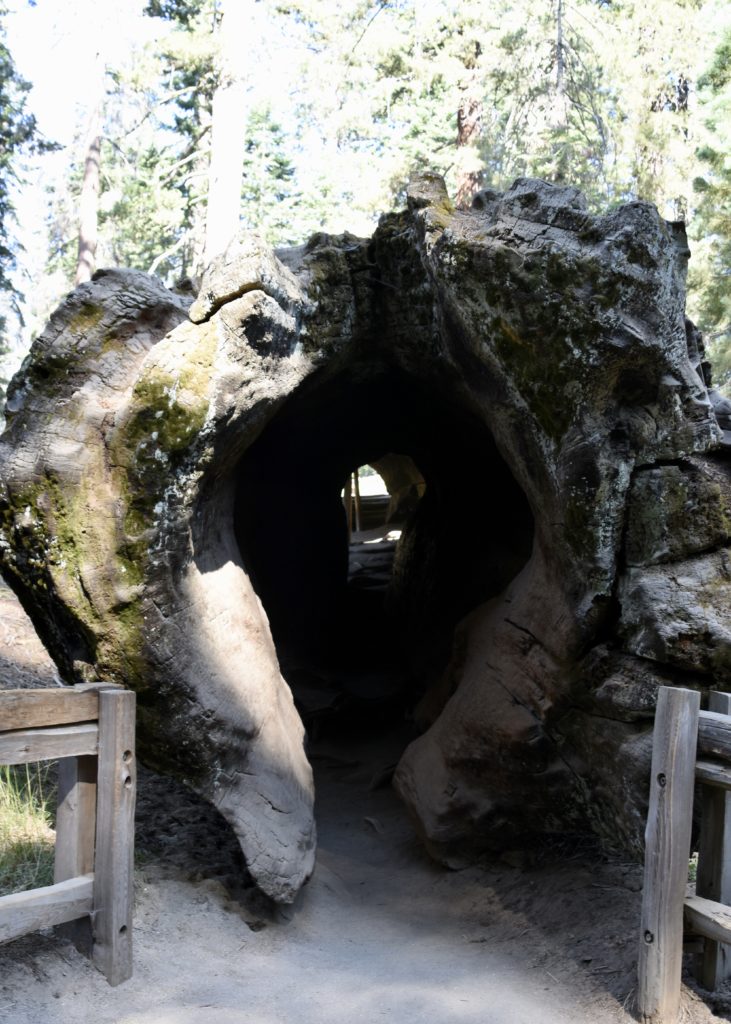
{"x":153,"y":165}
{"x":186,"y":70}
{"x":718,"y":75}
{"x":140,"y":216}
{"x":538,"y":128}
{"x":62,"y":204}
{"x":268,"y":201}
{"x":26,"y":838}
{"x":711,"y":276}
{"x":604,"y":95}
{"x":592,"y":98}
{"x":19,"y":137}
{"x":183,"y":11}
{"x":17,"y":133}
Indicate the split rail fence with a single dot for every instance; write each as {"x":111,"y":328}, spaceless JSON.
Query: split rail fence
{"x":689,"y":746}
{"x":90,"y":729}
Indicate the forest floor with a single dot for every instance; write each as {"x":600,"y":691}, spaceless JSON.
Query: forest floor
{"x":380,"y":933}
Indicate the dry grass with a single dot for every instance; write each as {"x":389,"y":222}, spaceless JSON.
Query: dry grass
{"x":26,"y":837}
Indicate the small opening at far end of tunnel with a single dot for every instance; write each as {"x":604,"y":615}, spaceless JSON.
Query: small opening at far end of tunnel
{"x":372,"y":514}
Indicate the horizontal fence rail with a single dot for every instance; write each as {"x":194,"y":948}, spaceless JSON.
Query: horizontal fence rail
{"x":22,"y":746}
{"x":714,"y":734}
{"x":90,"y":730}
{"x":24,"y":912}
{"x":33,"y":709}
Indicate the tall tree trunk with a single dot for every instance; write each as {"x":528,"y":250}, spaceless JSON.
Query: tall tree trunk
{"x":228,"y":126}
{"x":469,"y":124}
{"x":560,"y":55}
{"x":89,"y":201}
{"x":469,"y":117}
{"x":560,"y":104}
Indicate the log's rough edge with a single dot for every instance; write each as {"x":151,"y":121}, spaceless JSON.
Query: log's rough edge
{"x":26,"y":745}
{"x":23,"y":912}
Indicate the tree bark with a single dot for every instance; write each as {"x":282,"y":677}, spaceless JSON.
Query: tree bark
{"x":89,"y":201}
{"x":228,"y":128}
{"x":469,"y":116}
{"x":559,"y":111}
{"x":469,"y":124}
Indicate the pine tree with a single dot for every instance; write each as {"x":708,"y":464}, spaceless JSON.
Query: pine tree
{"x":590,"y":92}
{"x":711,"y":275}
{"x":151,"y":154}
{"x":19,"y":137}
{"x":89,"y":195}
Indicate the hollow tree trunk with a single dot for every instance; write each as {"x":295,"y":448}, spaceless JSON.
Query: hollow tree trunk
{"x":140,"y":438}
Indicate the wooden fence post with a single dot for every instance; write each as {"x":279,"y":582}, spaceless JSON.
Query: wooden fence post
{"x":358,"y":507}
{"x":75,"y":833}
{"x":113,"y":866}
{"x":667,"y":848}
{"x":714,"y":870}
{"x":90,"y":729}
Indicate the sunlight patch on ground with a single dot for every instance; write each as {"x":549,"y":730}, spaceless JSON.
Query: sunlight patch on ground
{"x":390,"y":535}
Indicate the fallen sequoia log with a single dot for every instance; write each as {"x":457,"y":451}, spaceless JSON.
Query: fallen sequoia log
{"x":170,"y":511}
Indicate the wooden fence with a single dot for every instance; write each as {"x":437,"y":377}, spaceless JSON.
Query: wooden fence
{"x":682,"y":734}
{"x":91,"y":730}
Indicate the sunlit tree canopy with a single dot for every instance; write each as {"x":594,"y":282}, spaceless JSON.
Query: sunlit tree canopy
{"x":292,"y":118}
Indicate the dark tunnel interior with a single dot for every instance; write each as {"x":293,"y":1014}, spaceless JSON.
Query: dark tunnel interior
{"x":347,"y":647}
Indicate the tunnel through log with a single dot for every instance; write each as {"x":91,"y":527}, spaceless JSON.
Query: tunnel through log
{"x":140,"y":426}
{"x":341,"y":646}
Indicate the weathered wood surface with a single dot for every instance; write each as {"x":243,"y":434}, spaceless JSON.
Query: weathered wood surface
{"x":33,"y":709}
{"x":356,"y":495}
{"x":667,"y":847}
{"x":75,"y":833}
{"x":24,"y":912}
{"x":348,"y":500}
{"x":706,"y":917}
{"x":713,"y":774}
{"x":25,"y":745}
{"x":75,"y":817}
{"x":714,"y":735}
{"x":113,"y":865}
{"x":713,"y":880}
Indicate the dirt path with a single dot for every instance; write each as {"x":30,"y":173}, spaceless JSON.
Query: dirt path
{"x":23,"y":658}
{"x":380,"y":933}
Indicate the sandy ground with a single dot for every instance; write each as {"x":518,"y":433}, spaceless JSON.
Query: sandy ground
{"x":380,"y":933}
